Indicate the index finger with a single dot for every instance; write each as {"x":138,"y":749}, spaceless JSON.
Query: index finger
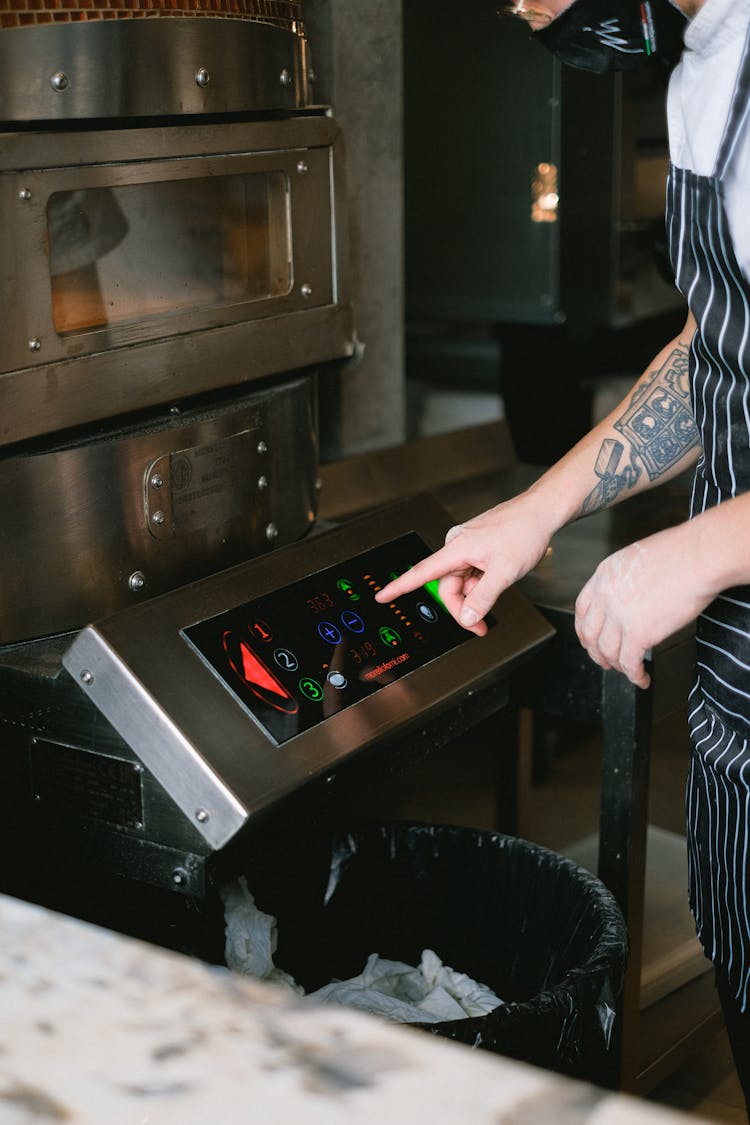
{"x":436,"y":566}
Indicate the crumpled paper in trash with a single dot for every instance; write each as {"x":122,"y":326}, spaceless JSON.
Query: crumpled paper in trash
{"x":430,"y":993}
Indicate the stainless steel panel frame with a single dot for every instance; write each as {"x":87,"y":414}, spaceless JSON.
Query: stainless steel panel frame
{"x":216,"y":763}
{"x":149,"y":68}
{"x":49,"y":382}
{"x":99,"y":525}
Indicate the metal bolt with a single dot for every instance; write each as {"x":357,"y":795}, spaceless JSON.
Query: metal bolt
{"x":202,"y":77}
{"x":262,"y":483}
{"x":302,"y":167}
{"x":157,"y":480}
{"x":174,"y":410}
{"x":137,"y":581}
{"x":24,"y":194}
{"x":262,"y":447}
{"x":158,"y":518}
{"x":285,"y":77}
{"x":201,"y":816}
{"x":59,"y":81}
{"x":306,"y":290}
{"x":87,"y":677}
{"x":179,"y":876}
{"x":311,"y":75}
{"x":318,"y":484}
{"x":35,"y":344}
{"x":272,"y":532}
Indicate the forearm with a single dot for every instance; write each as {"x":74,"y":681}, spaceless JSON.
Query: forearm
{"x":649,"y":438}
{"x":717,"y":543}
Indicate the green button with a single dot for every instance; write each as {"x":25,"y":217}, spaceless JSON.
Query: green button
{"x":311,"y":689}
{"x":389,"y":636}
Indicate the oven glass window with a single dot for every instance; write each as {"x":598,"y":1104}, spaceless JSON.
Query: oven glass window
{"x":121,"y":255}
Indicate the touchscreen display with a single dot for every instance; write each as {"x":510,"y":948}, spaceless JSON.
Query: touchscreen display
{"x":300,"y":654}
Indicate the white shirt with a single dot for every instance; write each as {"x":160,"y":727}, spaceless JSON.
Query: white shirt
{"x":700,"y":94}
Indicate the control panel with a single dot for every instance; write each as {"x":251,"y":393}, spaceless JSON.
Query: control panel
{"x":237,"y":690}
{"x":303,"y":653}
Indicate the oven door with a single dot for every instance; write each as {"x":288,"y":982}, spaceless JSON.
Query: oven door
{"x":139,"y":266}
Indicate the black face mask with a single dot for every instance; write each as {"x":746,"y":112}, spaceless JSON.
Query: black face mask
{"x":604,"y":35}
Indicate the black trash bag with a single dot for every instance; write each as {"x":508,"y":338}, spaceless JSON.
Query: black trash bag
{"x":544,"y":934}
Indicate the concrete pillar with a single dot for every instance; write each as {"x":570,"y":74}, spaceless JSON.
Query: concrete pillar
{"x":356,"y":49}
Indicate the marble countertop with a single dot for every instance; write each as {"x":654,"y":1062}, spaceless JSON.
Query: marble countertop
{"x":97,"y":1029}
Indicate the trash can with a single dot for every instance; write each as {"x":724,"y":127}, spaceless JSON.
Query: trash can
{"x":543,"y":933}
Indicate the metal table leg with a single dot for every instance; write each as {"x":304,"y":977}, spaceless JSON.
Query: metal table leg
{"x":626,"y":753}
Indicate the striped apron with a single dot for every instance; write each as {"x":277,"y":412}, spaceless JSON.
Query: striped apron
{"x":718,"y":787}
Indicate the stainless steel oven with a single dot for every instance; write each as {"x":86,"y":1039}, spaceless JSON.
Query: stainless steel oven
{"x":184,"y":649}
{"x":166,"y":295}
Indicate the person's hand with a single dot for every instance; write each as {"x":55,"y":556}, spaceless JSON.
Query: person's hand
{"x":480,"y":559}
{"x":638,"y":597}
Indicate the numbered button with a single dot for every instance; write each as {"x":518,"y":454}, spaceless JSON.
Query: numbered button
{"x":286,"y":660}
{"x":311,"y":689}
{"x":261,"y":630}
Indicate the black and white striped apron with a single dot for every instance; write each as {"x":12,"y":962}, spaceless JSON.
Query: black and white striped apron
{"x":718,"y":789}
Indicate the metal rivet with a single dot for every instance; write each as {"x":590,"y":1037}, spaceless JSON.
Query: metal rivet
{"x":285,"y":77}
{"x":24,"y":194}
{"x":87,"y":677}
{"x":201,"y":816}
{"x":202,"y":77}
{"x":302,"y":167}
{"x":35,"y":344}
{"x":306,"y":290}
{"x":262,"y":483}
{"x":158,"y":518}
{"x":157,"y":480}
{"x":272,"y":532}
{"x":137,"y":580}
{"x":318,"y":484}
{"x":59,"y":81}
{"x":179,"y":876}
{"x":262,"y":447}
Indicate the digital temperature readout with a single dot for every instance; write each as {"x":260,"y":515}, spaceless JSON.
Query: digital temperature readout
{"x":303,"y":653}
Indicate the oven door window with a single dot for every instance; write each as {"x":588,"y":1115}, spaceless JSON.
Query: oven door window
{"x":126,"y":254}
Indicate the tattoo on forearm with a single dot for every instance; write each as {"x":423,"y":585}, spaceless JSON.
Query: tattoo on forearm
{"x":659,"y":427}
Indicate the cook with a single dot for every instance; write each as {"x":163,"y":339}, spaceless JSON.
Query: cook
{"x":689,"y":408}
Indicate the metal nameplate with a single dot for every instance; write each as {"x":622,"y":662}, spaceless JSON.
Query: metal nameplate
{"x":205,"y":486}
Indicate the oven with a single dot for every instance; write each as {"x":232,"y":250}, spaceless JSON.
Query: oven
{"x":189,"y":658}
